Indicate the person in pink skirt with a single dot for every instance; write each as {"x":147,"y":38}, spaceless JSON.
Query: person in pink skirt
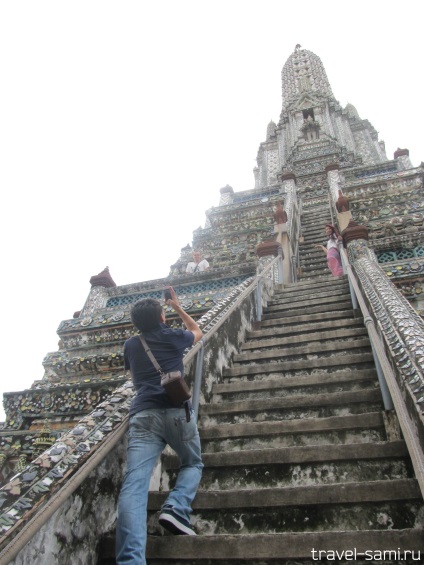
{"x":334,"y":261}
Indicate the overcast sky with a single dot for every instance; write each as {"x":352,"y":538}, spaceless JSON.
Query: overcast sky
{"x":120,"y":122}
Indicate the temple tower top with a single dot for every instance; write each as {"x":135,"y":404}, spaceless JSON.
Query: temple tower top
{"x":303,"y":72}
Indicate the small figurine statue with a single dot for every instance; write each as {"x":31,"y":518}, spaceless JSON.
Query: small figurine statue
{"x":342,"y":203}
{"x":280,"y":215}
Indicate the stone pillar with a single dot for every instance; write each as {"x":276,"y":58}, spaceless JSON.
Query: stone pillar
{"x":402,"y":159}
{"x":283,"y":239}
{"x":334,"y":182}
{"x":266,"y":251}
{"x":287,"y":232}
{"x":227,"y":193}
{"x":256,"y":175}
{"x":98,"y":294}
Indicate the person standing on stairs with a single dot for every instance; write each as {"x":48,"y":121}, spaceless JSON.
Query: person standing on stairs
{"x":154,"y":423}
{"x":334,"y":261}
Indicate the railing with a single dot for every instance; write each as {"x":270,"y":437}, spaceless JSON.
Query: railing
{"x":56,"y":479}
{"x":295,"y":236}
{"x":392,"y":395}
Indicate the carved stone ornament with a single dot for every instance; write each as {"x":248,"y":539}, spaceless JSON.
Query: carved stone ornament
{"x":103,"y":279}
{"x":332,"y":167}
{"x":354,"y":231}
{"x":287,"y":175}
{"x":269,"y":247}
{"x":401,"y":153}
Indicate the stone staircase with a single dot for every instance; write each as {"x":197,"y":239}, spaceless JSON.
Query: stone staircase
{"x":299,"y":454}
{"x":313,"y":261}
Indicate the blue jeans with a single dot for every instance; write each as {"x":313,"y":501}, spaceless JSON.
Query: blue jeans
{"x":149,"y":432}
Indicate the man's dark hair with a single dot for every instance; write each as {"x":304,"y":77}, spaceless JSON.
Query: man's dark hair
{"x":146,"y":314}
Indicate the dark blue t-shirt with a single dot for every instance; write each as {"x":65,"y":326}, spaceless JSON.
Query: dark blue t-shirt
{"x":168,"y":346}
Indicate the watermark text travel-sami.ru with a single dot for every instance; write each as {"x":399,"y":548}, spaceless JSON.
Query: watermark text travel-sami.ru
{"x":367,"y":555}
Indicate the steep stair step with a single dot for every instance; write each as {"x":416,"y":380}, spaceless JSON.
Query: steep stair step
{"x":357,"y":428}
{"x":306,"y":338}
{"x":272,"y":312}
{"x":304,"y":329}
{"x":243,"y":549}
{"x":287,"y":321}
{"x":307,"y":425}
{"x":352,"y":361}
{"x":268,"y":510}
{"x":368,"y":491}
{"x":315,"y":264}
{"x":330,"y":294}
{"x":307,"y":288}
{"x":323,"y":278}
{"x":320,"y":268}
{"x":312,"y":382}
{"x":304,"y":454}
{"x":303,"y":402}
{"x":335,"y":345}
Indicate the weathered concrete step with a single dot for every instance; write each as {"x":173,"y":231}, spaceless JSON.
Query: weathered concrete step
{"x":310,"y":240}
{"x":279,"y":475}
{"x":341,"y":506}
{"x":309,"y":251}
{"x":246,"y":549}
{"x":296,"y":401}
{"x":339,"y":493}
{"x":354,"y":453}
{"x":341,"y":293}
{"x":307,"y":425}
{"x":335,"y":345}
{"x":348,"y":516}
{"x":287,"y":321}
{"x":317,"y":382}
{"x":294,"y":288}
{"x":308,"y":259}
{"x":333,"y":437}
{"x":342,"y":324}
{"x":338,"y":378}
{"x":312,"y":275}
{"x":318,"y":265}
{"x":295,"y":466}
{"x":306,"y":337}
{"x":352,"y":361}
{"x":325,"y":299}
{"x":313,"y":296}
{"x":289,"y":312}
{"x":318,"y":269}
{"x":324,"y":278}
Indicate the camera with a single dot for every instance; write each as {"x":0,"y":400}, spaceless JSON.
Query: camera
{"x":167,"y":294}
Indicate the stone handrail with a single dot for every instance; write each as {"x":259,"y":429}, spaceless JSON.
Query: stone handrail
{"x":397,"y":336}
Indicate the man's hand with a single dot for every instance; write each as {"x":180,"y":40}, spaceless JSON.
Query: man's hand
{"x":173,"y":301}
{"x":190,"y":324}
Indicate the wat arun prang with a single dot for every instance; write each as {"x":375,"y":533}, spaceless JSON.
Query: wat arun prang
{"x":317,"y":150}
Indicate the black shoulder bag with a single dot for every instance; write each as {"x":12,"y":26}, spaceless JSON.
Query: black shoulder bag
{"x":174,"y":384}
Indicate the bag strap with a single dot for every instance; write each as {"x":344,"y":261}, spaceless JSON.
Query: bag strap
{"x":150,"y":354}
